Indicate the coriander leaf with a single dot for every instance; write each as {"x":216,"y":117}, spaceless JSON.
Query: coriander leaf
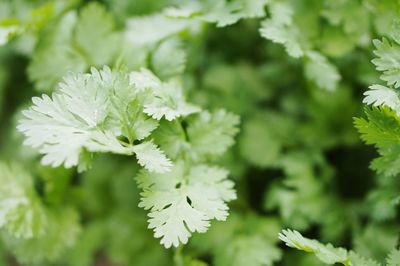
{"x":168,"y":101}
{"x":34,"y":233}
{"x":48,"y":125}
{"x":328,"y":254}
{"x":388,"y":163}
{"x":136,"y":124}
{"x":319,"y":70}
{"x":394,"y":258}
{"x":280,"y":29}
{"x":294,"y":239}
{"x":182,"y":202}
{"x":127,"y":108}
{"x":21,"y":212}
{"x":253,"y":8}
{"x":250,"y":250}
{"x":164,"y":99}
{"x":381,"y":95}
{"x":388,"y":61}
{"x":382,"y":130}
{"x":211,"y":134}
{"x":144,"y":79}
{"x":95,"y":35}
{"x":149,"y":30}
{"x":61,"y":233}
{"x":80,"y":116}
{"x":223,"y":13}
{"x":171,"y":138}
{"x":54,"y":57}
{"x":189,"y":9}
{"x":356,"y":259}
{"x":151,"y":158}
{"x":169,"y":59}
{"x":49,"y":65}
{"x":63,"y":125}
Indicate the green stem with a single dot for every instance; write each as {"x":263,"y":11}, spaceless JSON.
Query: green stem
{"x":178,"y":256}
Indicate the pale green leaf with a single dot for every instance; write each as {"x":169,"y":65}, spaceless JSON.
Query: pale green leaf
{"x":61,"y":234}
{"x":149,"y":30}
{"x":223,"y":13}
{"x":151,"y":158}
{"x":182,"y":202}
{"x":164,"y":99}
{"x":394,"y":258}
{"x":328,"y":254}
{"x":95,"y":35}
{"x":21,"y":212}
{"x":381,"y":95}
{"x":171,"y":138}
{"x":321,"y":71}
{"x":55,"y":57}
{"x":77,"y":117}
{"x":169,"y":59}
{"x":248,"y":250}
{"x":388,"y":61}
{"x":211,"y":134}
{"x":280,"y":29}
{"x":49,"y":65}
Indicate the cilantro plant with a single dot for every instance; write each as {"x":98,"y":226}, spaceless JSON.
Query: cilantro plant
{"x":201,"y":132}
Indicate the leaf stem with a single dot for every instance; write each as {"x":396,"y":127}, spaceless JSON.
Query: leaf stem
{"x":178,"y":256}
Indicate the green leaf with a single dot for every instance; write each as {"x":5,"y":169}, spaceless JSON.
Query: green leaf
{"x":388,"y":61}
{"x":21,"y":212}
{"x":182,"y":202}
{"x":61,"y":126}
{"x":95,"y":35}
{"x":223,"y":13}
{"x":394,"y":258}
{"x":151,"y":158}
{"x":382,"y":130}
{"x":379,"y":95}
{"x":358,"y":260}
{"x":388,"y":163}
{"x":54,"y":57}
{"x":49,"y":65}
{"x":169,"y":59}
{"x":164,"y":99}
{"x":280,"y":29}
{"x":253,"y":8}
{"x":61,"y":234}
{"x":251,"y":250}
{"x":319,"y":70}
{"x":328,"y":254}
{"x":32,"y":232}
{"x":149,"y":30}
{"x":171,"y":138}
{"x":211,"y":134}
{"x":80,"y":117}
{"x":141,"y":125}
